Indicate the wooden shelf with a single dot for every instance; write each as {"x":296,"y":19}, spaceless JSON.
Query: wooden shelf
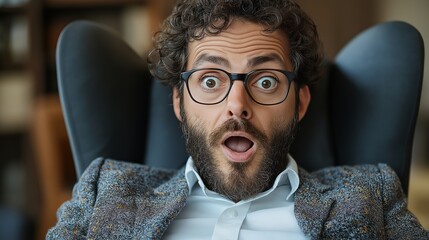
{"x":87,"y":4}
{"x":13,"y":66}
{"x":19,"y":9}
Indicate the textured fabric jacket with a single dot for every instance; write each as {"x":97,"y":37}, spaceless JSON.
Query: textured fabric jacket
{"x":119,"y":200}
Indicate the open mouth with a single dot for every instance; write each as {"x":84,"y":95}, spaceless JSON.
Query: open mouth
{"x":238,"y":144}
{"x":238,"y":148}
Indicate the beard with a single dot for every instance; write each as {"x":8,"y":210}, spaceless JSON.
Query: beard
{"x":239,"y":182}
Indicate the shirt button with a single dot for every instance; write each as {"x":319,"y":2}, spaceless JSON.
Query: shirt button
{"x":231,"y":213}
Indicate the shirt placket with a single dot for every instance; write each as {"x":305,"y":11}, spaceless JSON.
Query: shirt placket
{"x":229,"y":222}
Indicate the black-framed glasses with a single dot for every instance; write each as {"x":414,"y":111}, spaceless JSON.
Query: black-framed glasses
{"x":211,"y":86}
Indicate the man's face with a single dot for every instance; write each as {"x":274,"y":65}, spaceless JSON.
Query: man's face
{"x":239,"y":146}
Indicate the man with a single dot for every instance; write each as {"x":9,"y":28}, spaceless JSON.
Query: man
{"x":241,"y":73}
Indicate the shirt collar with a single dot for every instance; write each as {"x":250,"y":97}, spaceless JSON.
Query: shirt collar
{"x":288,"y":176}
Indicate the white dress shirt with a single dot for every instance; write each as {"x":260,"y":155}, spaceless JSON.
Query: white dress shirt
{"x":209,"y":215}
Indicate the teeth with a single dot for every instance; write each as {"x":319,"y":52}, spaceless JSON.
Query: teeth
{"x":238,"y":144}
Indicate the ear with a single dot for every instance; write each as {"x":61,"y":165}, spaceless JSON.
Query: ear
{"x":304,"y":101}
{"x":176,"y":103}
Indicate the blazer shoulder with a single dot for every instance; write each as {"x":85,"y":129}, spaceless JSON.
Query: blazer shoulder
{"x":352,"y":175}
{"x":118,"y":166}
{"x":132,"y":174}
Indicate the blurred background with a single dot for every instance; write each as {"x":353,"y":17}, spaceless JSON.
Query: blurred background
{"x":36,"y":168}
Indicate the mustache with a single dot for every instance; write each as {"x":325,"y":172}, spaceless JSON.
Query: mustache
{"x":237,"y":125}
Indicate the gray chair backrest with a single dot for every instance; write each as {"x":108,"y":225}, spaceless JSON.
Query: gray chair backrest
{"x":364,"y":110}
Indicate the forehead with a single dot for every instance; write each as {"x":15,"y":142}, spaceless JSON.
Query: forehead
{"x":241,"y":41}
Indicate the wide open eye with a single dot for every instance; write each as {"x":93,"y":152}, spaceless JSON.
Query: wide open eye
{"x":266,"y":83}
{"x":210,"y":82}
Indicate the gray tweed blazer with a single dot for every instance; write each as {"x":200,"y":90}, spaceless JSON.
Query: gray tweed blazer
{"x":119,"y":200}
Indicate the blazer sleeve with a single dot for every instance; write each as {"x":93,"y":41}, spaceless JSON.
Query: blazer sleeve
{"x":400,"y":223}
{"x":74,"y":215}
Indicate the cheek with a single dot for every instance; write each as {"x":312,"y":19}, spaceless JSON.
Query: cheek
{"x":270,"y":121}
{"x":204,"y":114}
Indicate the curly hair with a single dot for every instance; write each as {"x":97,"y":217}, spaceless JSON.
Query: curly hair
{"x":193,"y":19}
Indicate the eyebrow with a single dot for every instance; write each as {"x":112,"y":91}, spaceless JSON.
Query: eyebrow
{"x":264,"y":59}
{"x":211,"y":59}
{"x":259,"y":60}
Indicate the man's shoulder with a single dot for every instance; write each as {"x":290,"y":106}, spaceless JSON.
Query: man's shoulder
{"x":349,"y":171}
{"x":368,"y":174}
{"x":118,"y":166}
{"x":121,"y":172}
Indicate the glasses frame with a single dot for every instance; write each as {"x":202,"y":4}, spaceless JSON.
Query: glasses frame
{"x":238,"y":77}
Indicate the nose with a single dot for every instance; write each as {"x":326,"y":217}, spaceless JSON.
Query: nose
{"x":238,"y":101}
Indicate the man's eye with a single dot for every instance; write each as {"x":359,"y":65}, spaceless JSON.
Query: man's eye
{"x":266,"y":83}
{"x":210,"y":82}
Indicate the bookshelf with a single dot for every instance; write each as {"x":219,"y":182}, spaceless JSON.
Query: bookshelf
{"x":29,"y":30}
{"x":12,"y":19}
{"x":40,"y":23}
{"x":54,"y":15}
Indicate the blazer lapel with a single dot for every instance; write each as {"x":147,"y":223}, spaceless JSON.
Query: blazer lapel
{"x":156,"y":211}
{"x":312,"y":204}
{"x":138,"y":209}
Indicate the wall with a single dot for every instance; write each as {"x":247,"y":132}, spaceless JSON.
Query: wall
{"x":338,"y":21}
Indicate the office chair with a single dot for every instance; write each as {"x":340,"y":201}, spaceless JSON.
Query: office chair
{"x":364,"y":109}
